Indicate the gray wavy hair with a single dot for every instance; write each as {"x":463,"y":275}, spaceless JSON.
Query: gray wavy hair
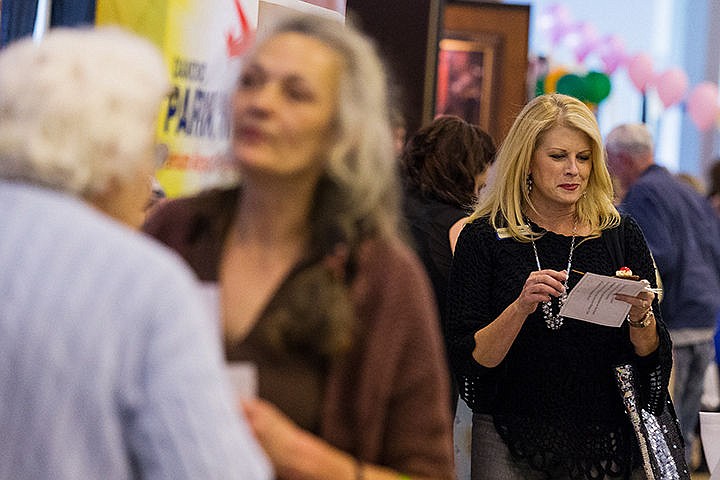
{"x":79,"y":108}
{"x":357,"y":197}
{"x":361,"y":162}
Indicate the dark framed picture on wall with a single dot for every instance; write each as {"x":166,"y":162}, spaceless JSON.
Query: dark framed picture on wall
{"x":466,"y":73}
{"x":492,"y":39}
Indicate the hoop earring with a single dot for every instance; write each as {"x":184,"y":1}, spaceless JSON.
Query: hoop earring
{"x":529,"y":184}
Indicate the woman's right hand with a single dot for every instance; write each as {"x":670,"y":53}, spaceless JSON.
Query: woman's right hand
{"x":277,"y":434}
{"x":299,"y":455}
{"x":493,"y":341}
{"x":540,"y":286}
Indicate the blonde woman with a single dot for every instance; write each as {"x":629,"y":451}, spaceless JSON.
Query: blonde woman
{"x":542,"y":387}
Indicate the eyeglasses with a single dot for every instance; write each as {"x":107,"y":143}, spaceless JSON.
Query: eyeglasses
{"x":161,"y":154}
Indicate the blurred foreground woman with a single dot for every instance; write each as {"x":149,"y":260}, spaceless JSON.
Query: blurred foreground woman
{"x":316,"y":287}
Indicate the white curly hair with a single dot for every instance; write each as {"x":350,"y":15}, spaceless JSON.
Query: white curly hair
{"x":78,"y":109}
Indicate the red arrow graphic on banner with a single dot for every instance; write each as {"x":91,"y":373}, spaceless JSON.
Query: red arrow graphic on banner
{"x":236,"y":45}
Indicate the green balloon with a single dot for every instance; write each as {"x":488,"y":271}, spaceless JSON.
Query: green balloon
{"x":573,"y":85}
{"x":598,"y":86}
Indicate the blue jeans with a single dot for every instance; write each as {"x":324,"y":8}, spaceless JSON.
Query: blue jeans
{"x":689,"y":365}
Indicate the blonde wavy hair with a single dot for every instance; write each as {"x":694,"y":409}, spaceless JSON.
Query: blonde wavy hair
{"x":506,"y":197}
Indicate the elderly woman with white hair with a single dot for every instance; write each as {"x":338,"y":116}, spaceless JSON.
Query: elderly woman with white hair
{"x":109,"y":165}
{"x":317,"y":288}
{"x":109,"y":369}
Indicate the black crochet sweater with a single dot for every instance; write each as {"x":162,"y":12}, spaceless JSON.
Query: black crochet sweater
{"x":554,"y":398}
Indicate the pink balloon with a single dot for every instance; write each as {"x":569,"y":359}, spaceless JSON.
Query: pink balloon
{"x":702,"y":105}
{"x":588,"y":40}
{"x":612,"y":53}
{"x":559,"y":31}
{"x":640,"y":69}
{"x":671,"y":86}
{"x":557,"y":13}
{"x":557,"y":21}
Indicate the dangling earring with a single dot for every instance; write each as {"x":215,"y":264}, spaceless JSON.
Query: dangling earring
{"x":529,"y":183}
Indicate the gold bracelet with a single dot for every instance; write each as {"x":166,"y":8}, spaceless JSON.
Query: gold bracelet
{"x":643,"y":322}
{"x":359,"y":470}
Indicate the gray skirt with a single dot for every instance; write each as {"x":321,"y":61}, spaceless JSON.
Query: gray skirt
{"x":490,"y":458}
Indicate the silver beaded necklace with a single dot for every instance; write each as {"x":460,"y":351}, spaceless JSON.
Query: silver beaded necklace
{"x":554,"y":322}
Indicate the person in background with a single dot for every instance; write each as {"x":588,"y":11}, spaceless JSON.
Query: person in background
{"x":710,"y":399}
{"x":542,"y":386}
{"x":317,"y":287}
{"x":713,"y":195}
{"x":398,"y":127}
{"x":692,"y":180}
{"x":682,"y":231}
{"x":443,"y":167}
{"x":109,"y":366}
{"x":713,"y":190}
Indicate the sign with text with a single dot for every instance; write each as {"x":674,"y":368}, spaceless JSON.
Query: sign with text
{"x":203,"y":42}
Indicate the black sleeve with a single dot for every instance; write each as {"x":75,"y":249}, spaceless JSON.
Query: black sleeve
{"x":470,"y":308}
{"x":654,"y":369}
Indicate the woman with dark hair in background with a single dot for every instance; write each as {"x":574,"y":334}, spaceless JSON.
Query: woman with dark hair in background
{"x":443,"y":167}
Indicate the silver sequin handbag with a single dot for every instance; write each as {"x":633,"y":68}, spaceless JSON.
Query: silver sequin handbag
{"x":659,"y":437}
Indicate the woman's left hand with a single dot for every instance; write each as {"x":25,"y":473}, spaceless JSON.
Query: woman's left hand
{"x":644,"y":338}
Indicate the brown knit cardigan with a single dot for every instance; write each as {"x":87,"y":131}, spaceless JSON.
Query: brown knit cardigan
{"x":387,"y":401}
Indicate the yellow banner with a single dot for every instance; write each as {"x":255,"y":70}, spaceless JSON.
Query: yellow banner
{"x":203,"y":42}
